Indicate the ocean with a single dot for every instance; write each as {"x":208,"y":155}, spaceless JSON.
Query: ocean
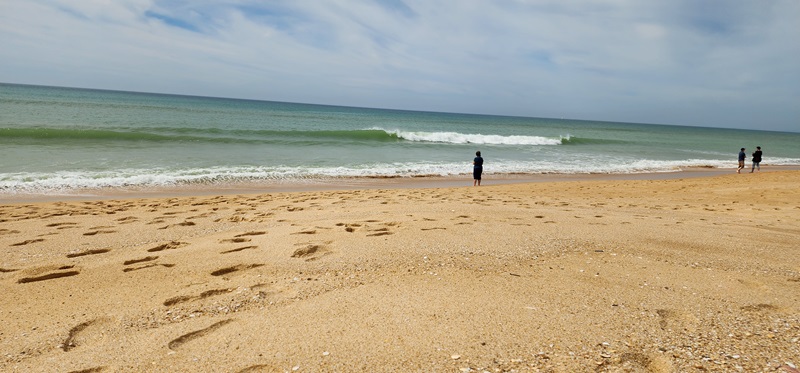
{"x":56,"y":140}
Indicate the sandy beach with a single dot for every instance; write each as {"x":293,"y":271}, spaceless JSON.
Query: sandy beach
{"x":658,"y":275}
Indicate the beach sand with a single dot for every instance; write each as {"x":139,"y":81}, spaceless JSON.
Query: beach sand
{"x":665,"y":275}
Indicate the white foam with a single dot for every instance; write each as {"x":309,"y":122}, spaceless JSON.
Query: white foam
{"x":66,"y":181}
{"x":468,"y":138}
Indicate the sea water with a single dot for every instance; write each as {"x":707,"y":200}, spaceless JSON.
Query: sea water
{"x":54,"y":140}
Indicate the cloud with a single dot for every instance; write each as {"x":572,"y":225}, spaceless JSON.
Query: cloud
{"x":728,"y":64}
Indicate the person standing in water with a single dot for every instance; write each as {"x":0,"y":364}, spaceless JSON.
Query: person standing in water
{"x":477,"y":169}
{"x":742,"y":156}
{"x":756,"y":159}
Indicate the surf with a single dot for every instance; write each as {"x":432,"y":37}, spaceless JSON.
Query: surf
{"x":470,"y":138}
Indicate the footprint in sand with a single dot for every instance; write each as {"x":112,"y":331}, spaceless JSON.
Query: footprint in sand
{"x":380,"y":232}
{"x":310,"y":251}
{"x":143,"y":260}
{"x":306,"y":251}
{"x":234,"y":219}
{"x":92,"y":233}
{"x":677,"y":320}
{"x":760,"y":308}
{"x":182,"y":224}
{"x":62,"y":225}
{"x":151,"y":265}
{"x":126,"y":220}
{"x":307,"y":231}
{"x":83,"y":333}
{"x":255,"y":233}
{"x":205,"y":215}
{"x":235,"y":240}
{"x":180,"y":341}
{"x":63,"y":271}
{"x":168,"y":246}
{"x":187,"y":298}
{"x":140,"y":260}
{"x":239,"y":238}
{"x":88,"y":252}
{"x":27,"y":242}
{"x":349,"y":227}
{"x":236,"y":268}
{"x":239,"y":249}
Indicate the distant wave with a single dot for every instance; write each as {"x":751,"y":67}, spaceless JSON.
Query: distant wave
{"x":217,"y":135}
{"x":76,"y":134}
{"x":572,"y":140}
{"x":186,"y":134}
{"x":468,"y":138}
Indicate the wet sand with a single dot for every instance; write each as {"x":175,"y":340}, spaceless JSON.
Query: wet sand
{"x":333,"y":184}
{"x":663,"y":274}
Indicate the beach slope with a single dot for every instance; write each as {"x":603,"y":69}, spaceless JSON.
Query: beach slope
{"x":696,"y":274}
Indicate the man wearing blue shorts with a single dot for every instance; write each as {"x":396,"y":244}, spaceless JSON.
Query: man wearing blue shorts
{"x":742,"y":156}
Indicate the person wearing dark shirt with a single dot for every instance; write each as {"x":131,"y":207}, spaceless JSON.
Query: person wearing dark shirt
{"x":756,"y":159}
{"x":477,"y":169}
{"x":742,"y":156}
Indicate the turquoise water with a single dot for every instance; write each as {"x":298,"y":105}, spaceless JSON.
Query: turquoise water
{"x":61,"y":139}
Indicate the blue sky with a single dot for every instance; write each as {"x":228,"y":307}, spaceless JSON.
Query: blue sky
{"x":714,"y":63}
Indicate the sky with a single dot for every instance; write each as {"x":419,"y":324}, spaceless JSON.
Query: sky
{"x":714,"y":63}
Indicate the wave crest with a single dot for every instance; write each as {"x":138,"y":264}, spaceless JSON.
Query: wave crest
{"x":470,"y":138}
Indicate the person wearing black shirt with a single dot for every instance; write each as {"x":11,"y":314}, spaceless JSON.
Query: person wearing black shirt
{"x":756,"y":159}
{"x":477,"y":169}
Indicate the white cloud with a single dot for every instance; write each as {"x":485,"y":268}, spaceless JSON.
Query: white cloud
{"x":678,"y":62}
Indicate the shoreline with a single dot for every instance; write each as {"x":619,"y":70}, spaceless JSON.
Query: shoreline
{"x":366,"y":183}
